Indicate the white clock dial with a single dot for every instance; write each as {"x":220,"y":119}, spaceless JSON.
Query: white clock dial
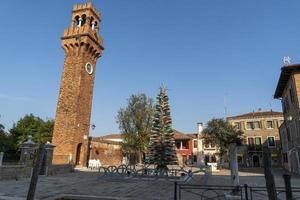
{"x":89,"y":68}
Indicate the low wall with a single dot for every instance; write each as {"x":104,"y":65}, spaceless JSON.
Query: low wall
{"x":108,"y":152}
{"x":14,"y":172}
{"x":59,"y":169}
{"x":21,"y":171}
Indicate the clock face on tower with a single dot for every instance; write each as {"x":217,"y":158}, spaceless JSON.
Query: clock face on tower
{"x":89,"y":68}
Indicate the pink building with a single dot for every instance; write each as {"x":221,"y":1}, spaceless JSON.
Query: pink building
{"x":184,"y":147}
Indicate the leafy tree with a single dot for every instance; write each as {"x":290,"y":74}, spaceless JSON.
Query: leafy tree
{"x":7,"y":145}
{"x":162,"y":143}
{"x":221,"y":133}
{"x":135,"y":124}
{"x":4,"y":139}
{"x":40,"y":130}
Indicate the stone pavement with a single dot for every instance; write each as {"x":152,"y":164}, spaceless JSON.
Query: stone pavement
{"x":89,"y":183}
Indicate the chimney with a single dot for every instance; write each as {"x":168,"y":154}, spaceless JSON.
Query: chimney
{"x":199,"y":128}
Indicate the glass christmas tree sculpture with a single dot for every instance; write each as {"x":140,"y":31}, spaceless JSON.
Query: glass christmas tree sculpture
{"x":162,"y":143}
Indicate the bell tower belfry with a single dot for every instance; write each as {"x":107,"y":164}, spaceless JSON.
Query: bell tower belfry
{"x":82,"y":45}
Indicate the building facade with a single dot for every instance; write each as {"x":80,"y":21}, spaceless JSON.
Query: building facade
{"x":107,"y":150}
{"x":259,"y":128}
{"x":288,"y":91}
{"x":204,"y":152}
{"x":184,"y":147}
{"x":82,"y":46}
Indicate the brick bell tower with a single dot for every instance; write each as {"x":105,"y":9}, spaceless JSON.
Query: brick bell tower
{"x":82,"y":45}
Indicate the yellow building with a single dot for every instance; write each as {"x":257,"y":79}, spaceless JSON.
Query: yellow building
{"x":259,"y":128}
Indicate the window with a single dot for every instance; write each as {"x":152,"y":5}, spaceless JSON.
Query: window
{"x":258,"y":141}
{"x":251,"y":145}
{"x":257,"y":125}
{"x":250,"y":125}
{"x":76,"y":21}
{"x":237,"y":125}
{"x":195,"y":144}
{"x":271,"y":141}
{"x":254,"y":143}
{"x":269,"y":124}
{"x":206,"y":145}
{"x":178,"y":144}
{"x":185,"y":144}
{"x":251,"y":141}
{"x":212,"y":145}
{"x":258,"y":145}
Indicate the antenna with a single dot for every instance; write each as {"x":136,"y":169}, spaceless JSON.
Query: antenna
{"x":225,"y":106}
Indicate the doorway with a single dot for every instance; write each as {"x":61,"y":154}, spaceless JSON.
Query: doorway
{"x":78,"y":151}
{"x":255,"y":161}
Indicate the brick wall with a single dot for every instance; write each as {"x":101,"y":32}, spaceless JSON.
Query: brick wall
{"x":108,"y":152}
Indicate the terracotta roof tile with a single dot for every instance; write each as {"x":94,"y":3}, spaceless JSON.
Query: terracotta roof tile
{"x":256,"y":115}
{"x":177,"y":135}
{"x":183,"y":136}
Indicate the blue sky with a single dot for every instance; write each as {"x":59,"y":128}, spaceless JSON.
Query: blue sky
{"x":202,"y":50}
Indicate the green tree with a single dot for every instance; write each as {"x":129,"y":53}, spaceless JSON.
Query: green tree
{"x":4,"y":139}
{"x":135,"y":124}
{"x":221,"y":133}
{"x":41,"y":130}
{"x":162,"y":143}
{"x":7,"y":145}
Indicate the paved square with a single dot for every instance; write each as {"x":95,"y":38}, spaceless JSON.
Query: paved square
{"x":88,"y":183}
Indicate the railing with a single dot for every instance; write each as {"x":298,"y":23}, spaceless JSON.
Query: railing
{"x":147,"y":171}
{"x":184,"y":191}
{"x":260,"y":193}
{"x":205,"y":192}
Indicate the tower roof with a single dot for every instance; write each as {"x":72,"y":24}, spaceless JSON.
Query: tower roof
{"x":285,"y":74}
{"x":86,"y":6}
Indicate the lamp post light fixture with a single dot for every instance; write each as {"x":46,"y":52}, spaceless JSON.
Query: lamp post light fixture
{"x":93,"y":126}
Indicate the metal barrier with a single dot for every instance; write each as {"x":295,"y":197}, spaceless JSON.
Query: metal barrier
{"x":206,"y":192}
{"x":184,"y":191}
{"x":261,"y":193}
{"x":147,"y":171}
